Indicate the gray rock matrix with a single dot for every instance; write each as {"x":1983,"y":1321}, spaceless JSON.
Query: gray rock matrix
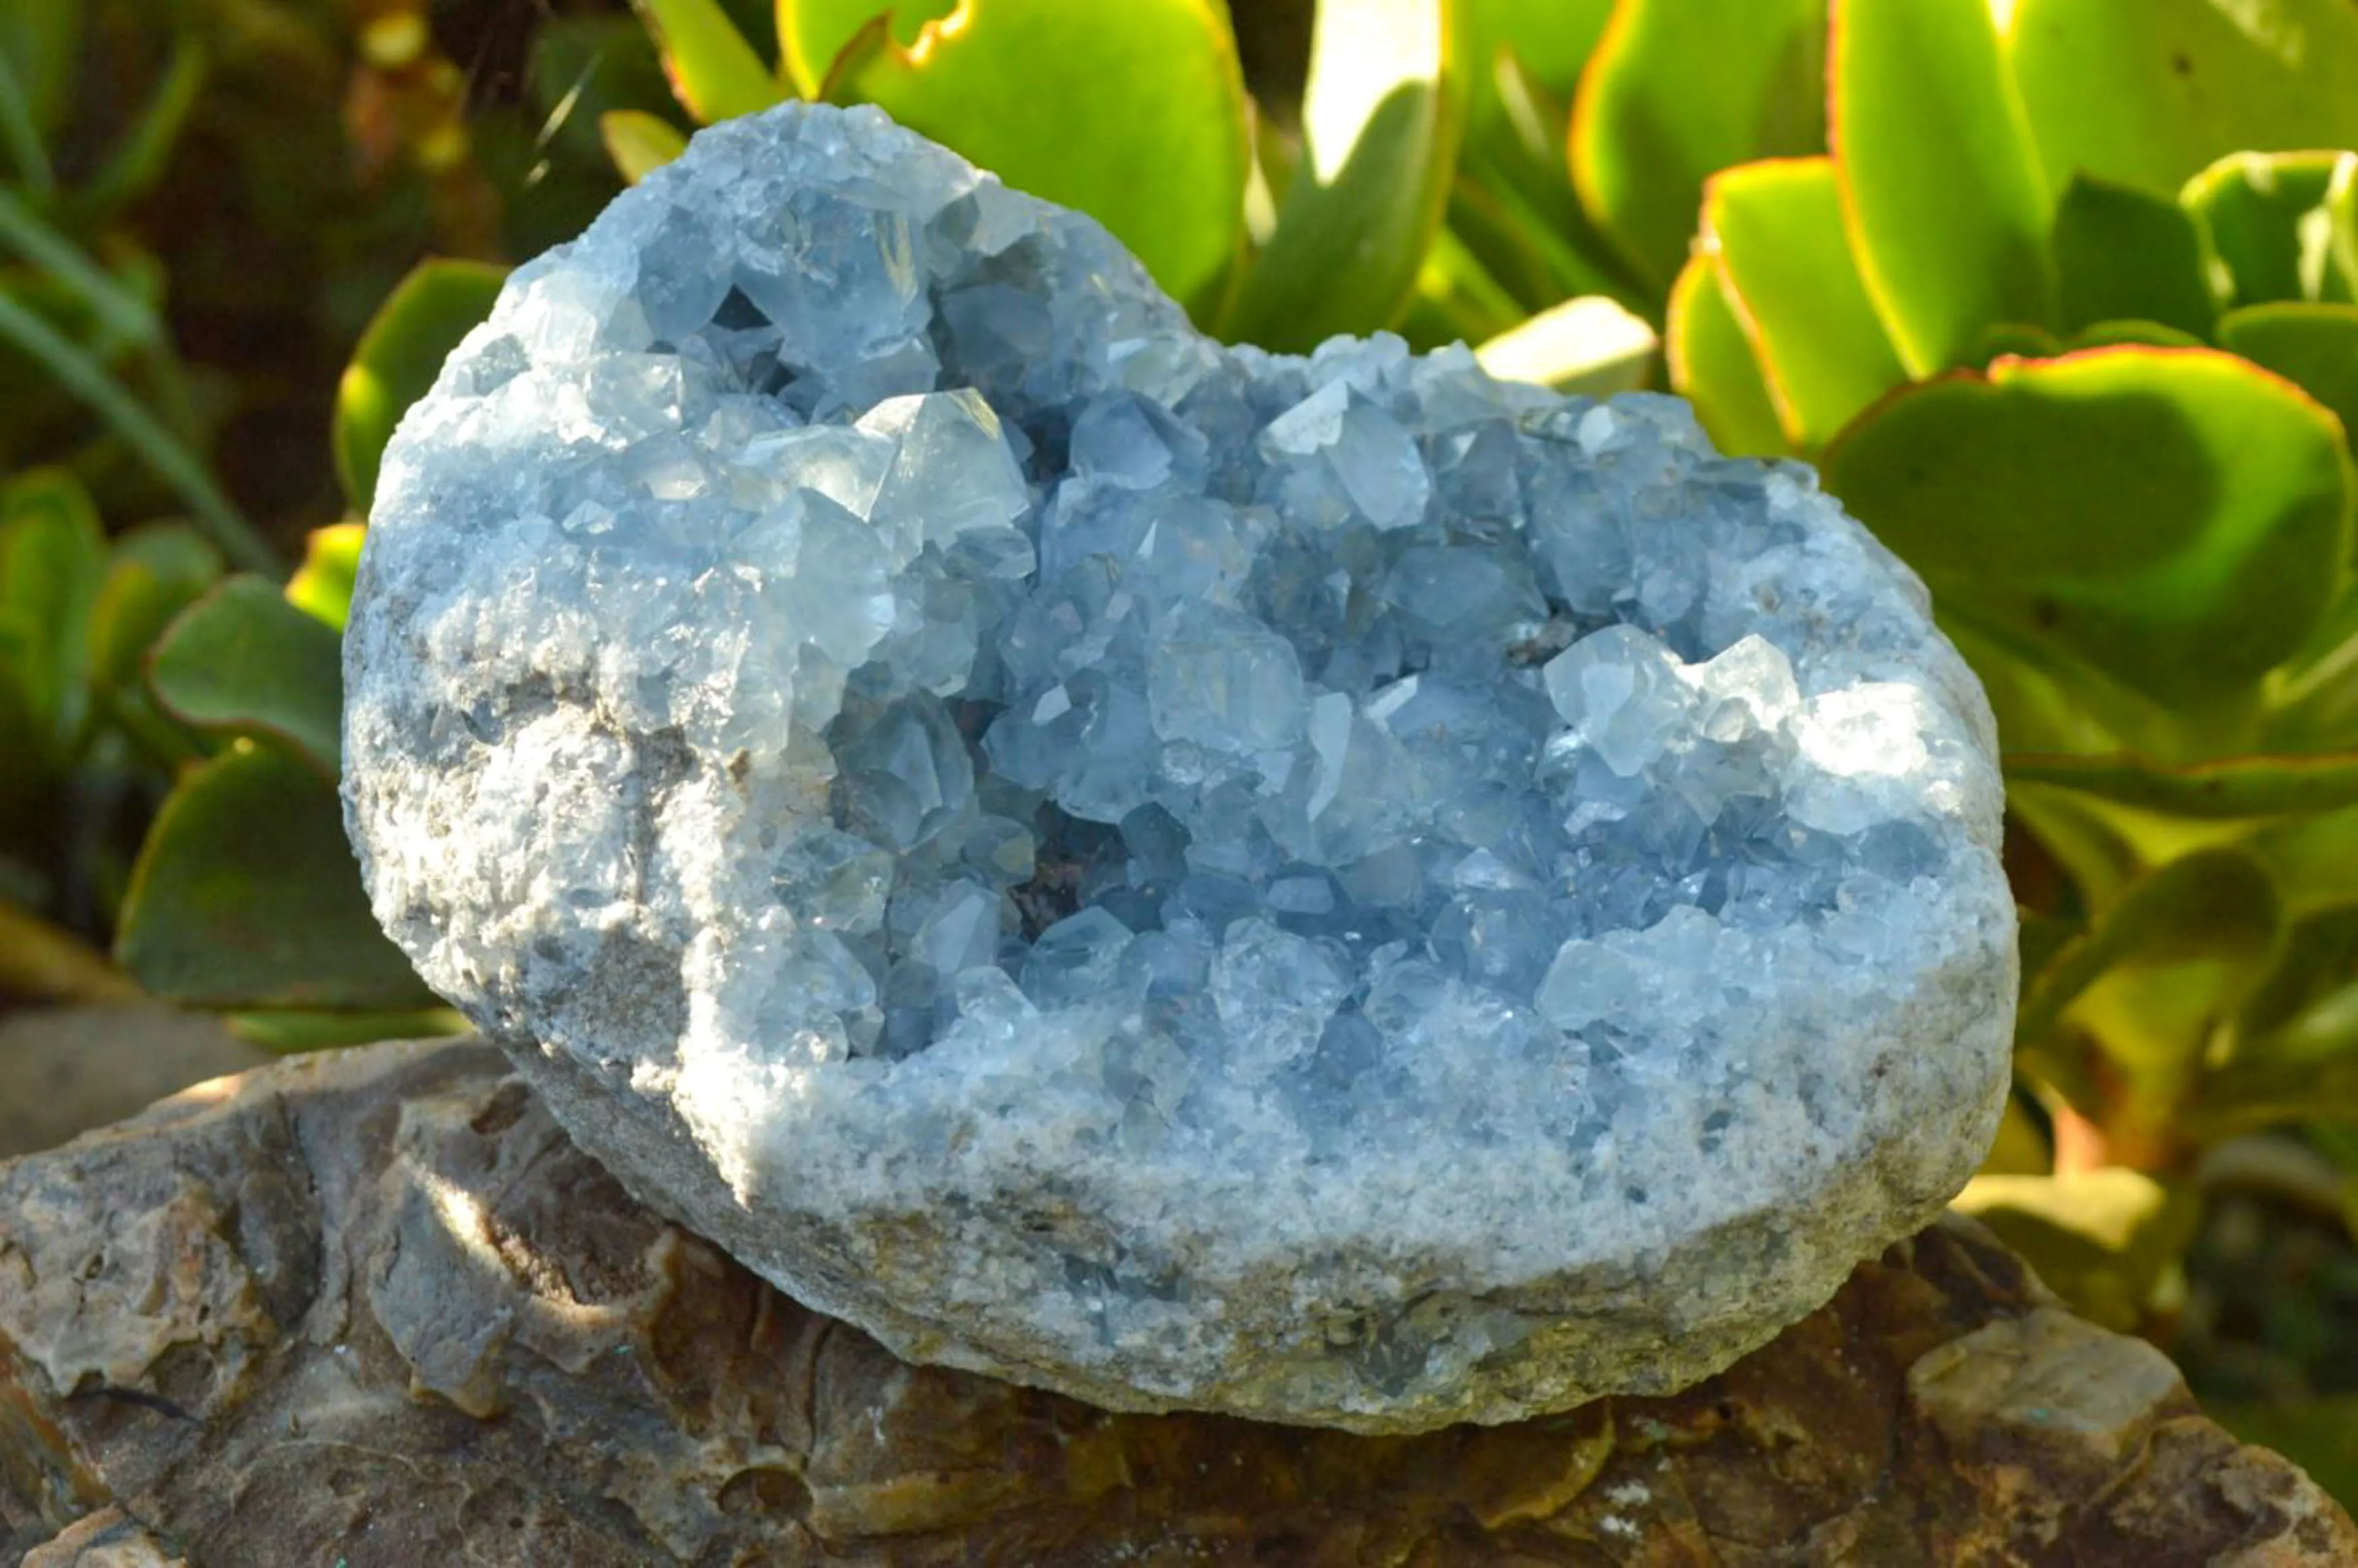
{"x":1333,"y":889}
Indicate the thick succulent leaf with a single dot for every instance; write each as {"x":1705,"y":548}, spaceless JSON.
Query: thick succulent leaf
{"x":639,"y":142}
{"x":2149,"y":92}
{"x":2163,"y":964}
{"x":2270,"y":219}
{"x":2176,"y":519}
{"x":156,"y":571}
{"x":2122,"y":254}
{"x":1950,"y":212}
{"x":293,"y":1030}
{"x":322,"y":587}
{"x":1680,"y":89}
{"x":1456,"y":301}
{"x":813,"y":34}
{"x":399,"y":355}
{"x":1591,"y":346}
{"x":714,"y":71}
{"x":2314,"y":346}
{"x":1712,"y":364}
{"x":1521,"y":220}
{"x":246,"y":895}
{"x":1133,"y":114}
{"x":1381,"y":118}
{"x":1776,"y":228}
{"x":1551,"y":40}
{"x":243,"y":661}
{"x":53,"y":561}
{"x":2144,"y":334}
{"x":2228,"y":789}
{"x":2103,"y":1240}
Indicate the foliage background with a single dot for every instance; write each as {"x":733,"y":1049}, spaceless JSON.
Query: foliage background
{"x":2061,"y":294}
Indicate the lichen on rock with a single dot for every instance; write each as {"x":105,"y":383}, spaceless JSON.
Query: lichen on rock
{"x":1336,"y":890}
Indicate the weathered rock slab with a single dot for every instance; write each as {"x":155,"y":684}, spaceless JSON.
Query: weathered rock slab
{"x":376,"y":1309}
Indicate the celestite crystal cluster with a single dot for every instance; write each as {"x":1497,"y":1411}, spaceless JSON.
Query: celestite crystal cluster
{"x":1336,"y":890}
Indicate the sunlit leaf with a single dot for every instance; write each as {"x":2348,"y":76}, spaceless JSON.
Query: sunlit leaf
{"x":399,"y":355}
{"x":1776,"y":228}
{"x":639,"y":142}
{"x":2149,"y":91}
{"x":713,"y":69}
{"x":1133,"y":114}
{"x":243,"y":661}
{"x":246,"y":896}
{"x":2174,"y":518}
{"x":2126,"y":254}
{"x":1712,"y":364}
{"x":1590,"y":346}
{"x":2102,"y":1239}
{"x":322,"y":588}
{"x":2163,"y":964}
{"x":813,"y":34}
{"x":1949,"y":210}
{"x":2270,"y":221}
{"x":1679,"y":89}
{"x":1380,"y":123}
{"x":2313,"y":346}
{"x":2227,"y":789}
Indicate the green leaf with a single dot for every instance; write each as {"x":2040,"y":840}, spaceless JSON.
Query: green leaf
{"x":2149,"y":91}
{"x":2313,"y":346}
{"x":1712,"y":364}
{"x":1590,"y":346}
{"x":156,"y":571}
{"x":322,"y":589}
{"x":2163,"y":960}
{"x":1679,"y":89}
{"x":2126,"y":254}
{"x":2229,"y":789}
{"x":1949,"y":209}
{"x":246,"y":895}
{"x":813,"y":34}
{"x":2103,"y":1240}
{"x":1776,"y":228}
{"x":714,"y":71}
{"x":243,"y":661}
{"x":400,"y":354}
{"x":2114,"y":334}
{"x":53,"y":561}
{"x":291,"y":1031}
{"x":2270,"y":221}
{"x":2174,"y":518}
{"x":639,"y":142}
{"x":1380,"y":123}
{"x":1133,"y":114}
{"x":1551,"y":39}
{"x":1456,"y":301}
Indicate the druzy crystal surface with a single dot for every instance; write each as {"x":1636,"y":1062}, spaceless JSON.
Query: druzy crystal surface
{"x":1335,"y":889}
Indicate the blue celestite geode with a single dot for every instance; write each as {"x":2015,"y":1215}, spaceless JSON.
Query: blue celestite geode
{"x":1336,"y":890}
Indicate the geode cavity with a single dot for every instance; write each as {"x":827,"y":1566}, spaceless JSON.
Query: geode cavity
{"x":1336,"y":890}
